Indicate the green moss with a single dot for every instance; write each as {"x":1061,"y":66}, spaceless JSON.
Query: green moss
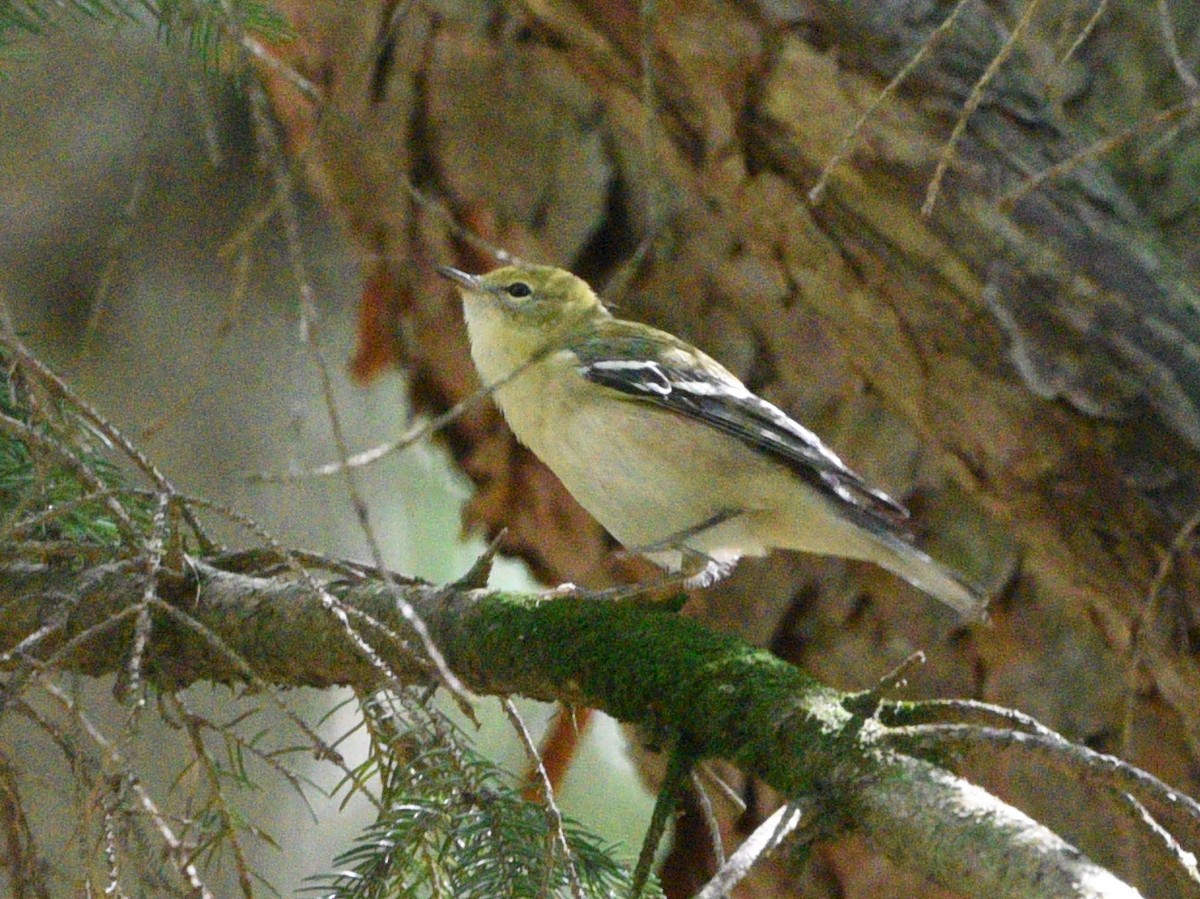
{"x":708,"y":694}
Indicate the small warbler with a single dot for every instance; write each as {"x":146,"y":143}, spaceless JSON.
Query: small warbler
{"x":665,"y":447}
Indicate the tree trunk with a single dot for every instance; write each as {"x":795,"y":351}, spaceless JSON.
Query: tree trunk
{"x":1024,"y":375}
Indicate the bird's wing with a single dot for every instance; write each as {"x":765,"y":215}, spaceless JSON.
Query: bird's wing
{"x":655,"y":367}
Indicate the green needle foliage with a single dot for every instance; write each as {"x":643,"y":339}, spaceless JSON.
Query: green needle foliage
{"x":453,"y":825}
{"x":57,"y":486}
{"x":201,"y":25}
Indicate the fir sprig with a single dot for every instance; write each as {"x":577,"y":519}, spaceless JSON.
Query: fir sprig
{"x":42,"y":499}
{"x":453,"y":825}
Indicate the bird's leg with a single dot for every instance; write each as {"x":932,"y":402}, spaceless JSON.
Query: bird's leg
{"x":711,"y":570}
{"x":707,"y":570}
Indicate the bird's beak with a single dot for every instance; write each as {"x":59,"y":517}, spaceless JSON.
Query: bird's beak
{"x":462,"y":279}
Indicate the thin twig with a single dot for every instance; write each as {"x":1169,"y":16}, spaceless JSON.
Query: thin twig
{"x":110,"y":432}
{"x":897,"y":678}
{"x":213,"y":776}
{"x":53,"y":623}
{"x":1171,"y":44}
{"x":1150,"y":608}
{"x":152,"y":560}
{"x":175,"y":848}
{"x":323,"y":750}
{"x":294,"y":563}
{"x":30,"y":665}
{"x":817,"y":192}
{"x":230,"y":312}
{"x":1186,"y":860}
{"x":226,"y":730}
{"x":112,"y":844}
{"x":461,"y":232}
{"x":203,"y":107}
{"x":972,"y":104}
{"x":930,"y":711}
{"x":119,"y":235}
{"x":552,"y":810}
{"x":726,"y":790}
{"x":1086,"y":31}
{"x":261,"y":53}
{"x":650,"y":129}
{"x":1077,"y":759}
{"x":710,"y":821}
{"x":1097,"y":149}
{"x":414,"y":434}
{"x":26,"y":867}
{"x":678,"y":769}
{"x":765,"y":839}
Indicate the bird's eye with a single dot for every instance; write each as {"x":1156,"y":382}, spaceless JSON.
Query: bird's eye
{"x":518,"y":289}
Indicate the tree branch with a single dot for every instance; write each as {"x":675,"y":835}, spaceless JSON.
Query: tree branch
{"x":707,"y":694}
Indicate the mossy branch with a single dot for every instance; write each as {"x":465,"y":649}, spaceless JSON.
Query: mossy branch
{"x":703,"y":693}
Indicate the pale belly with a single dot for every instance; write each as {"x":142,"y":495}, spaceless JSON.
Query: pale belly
{"x":647,"y":486}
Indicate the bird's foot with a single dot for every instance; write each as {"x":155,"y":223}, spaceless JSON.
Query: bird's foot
{"x":714,"y":570}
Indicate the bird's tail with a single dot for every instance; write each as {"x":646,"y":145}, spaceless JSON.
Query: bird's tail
{"x":904,"y":560}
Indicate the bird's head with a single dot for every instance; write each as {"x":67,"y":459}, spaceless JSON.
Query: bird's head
{"x":531,"y":295}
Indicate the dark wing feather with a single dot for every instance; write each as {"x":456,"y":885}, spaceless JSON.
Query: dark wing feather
{"x":619,"y":356}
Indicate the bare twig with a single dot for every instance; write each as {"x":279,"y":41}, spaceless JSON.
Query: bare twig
{"x":730,"y":794}
{"x":118,"y":238}
{"x":1086,"y":31}
{"x":230,"y":312}
{"x":1171,"y":44}
{"x":664,"y":810}
{"x":972,"y":104}
{"x":103,"y":426}
{"x":152,"y":560}
{"x":258,"y":51}
{"x":52,"y":624}
{"x":897,"y":678}
{"x":323,"y":750}
{"x":295,"y":562}
{"x":1075,"y":759}
{"x":650,"y":129}
{"x":552,"y":811}
{"x":414,"y":434}
{"x":711,"y":822}
{"x":468,"y":236}
{"x":765,"y":839}
{"x":203,"y":107}
{"x":212,"y":775}
{"x":1159,"y":120}
{"x":236,"y":743}
{"x":112,"y":844}
{"x":175,"y":848}
{"x":929,"y":711}
{"x":817,"y":192}
{"x":1185,"y":860}
{"x":1150,"y":608}
{"x":26,"y":868}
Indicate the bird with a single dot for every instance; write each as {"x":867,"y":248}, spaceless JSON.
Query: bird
{"x":666,"y":448}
